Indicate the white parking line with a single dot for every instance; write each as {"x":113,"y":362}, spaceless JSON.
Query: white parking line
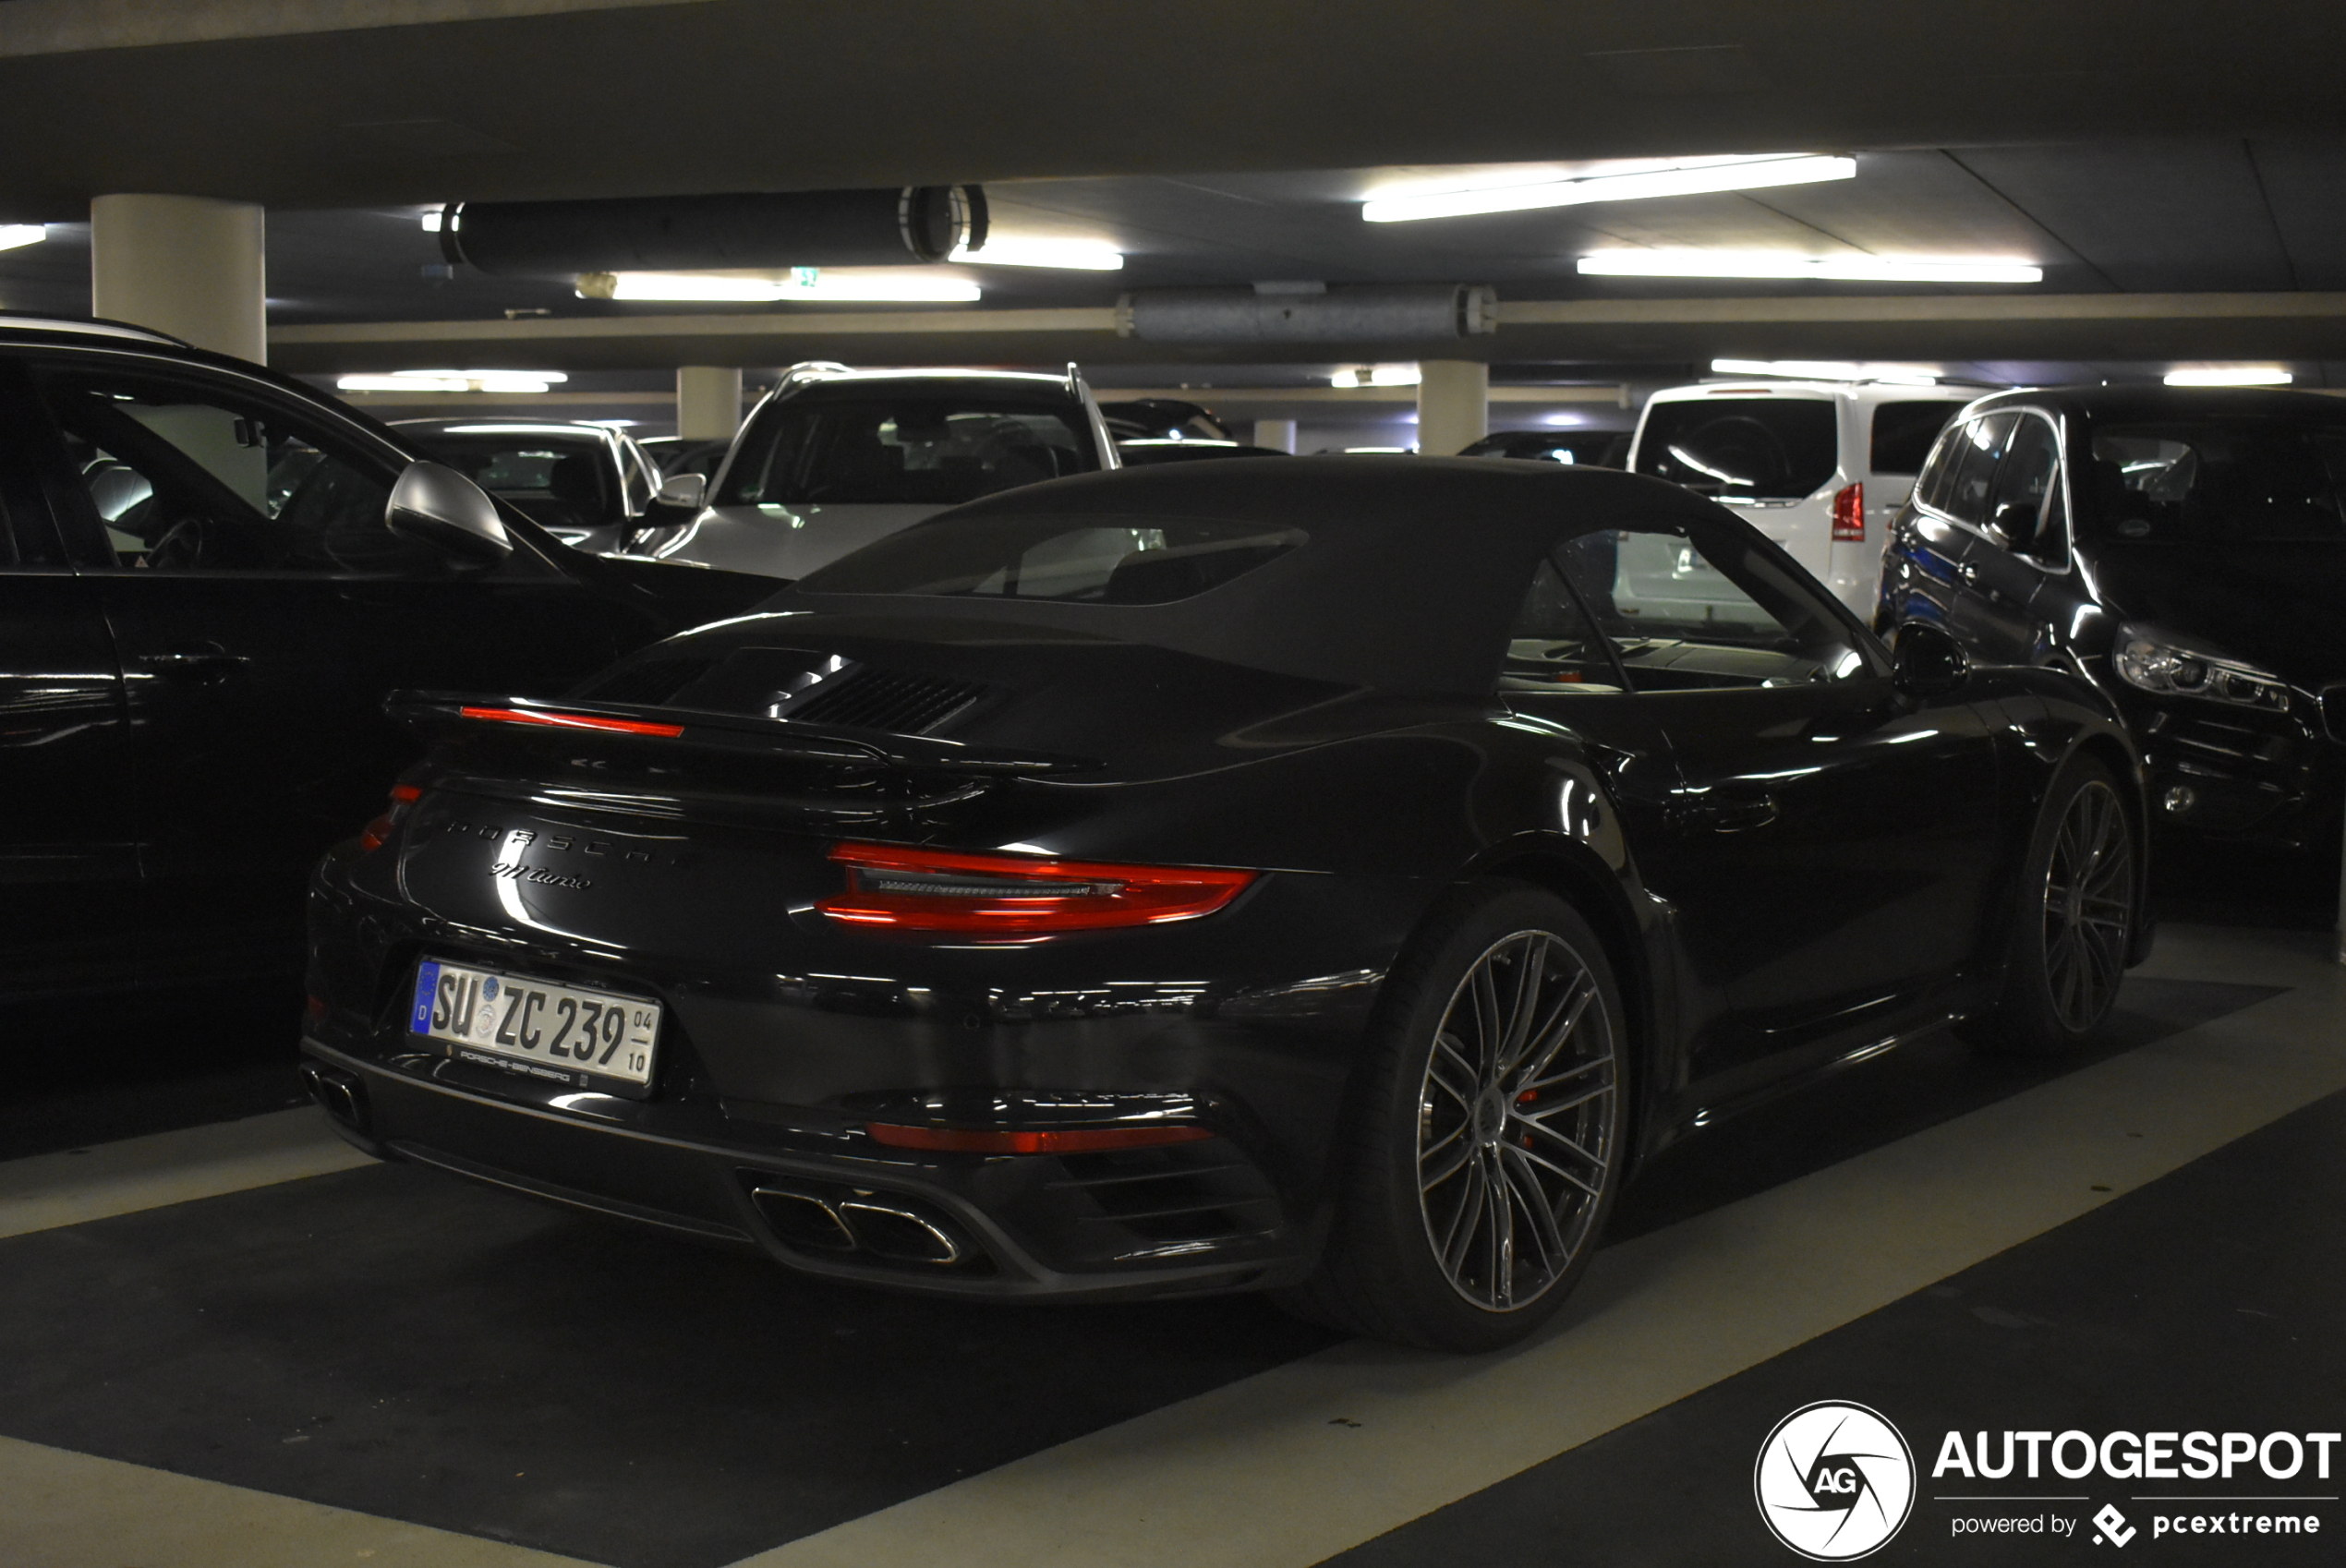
{"x":1300,"y":1463}
{"x":47,"y":1191}
{"x":65,"y":1510}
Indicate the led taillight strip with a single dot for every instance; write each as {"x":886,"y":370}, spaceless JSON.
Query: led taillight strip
{"x":377,"y":833}
{"x":1008,"y":1140}
{"x":1067,"y":895}
{"x":573,"y":721}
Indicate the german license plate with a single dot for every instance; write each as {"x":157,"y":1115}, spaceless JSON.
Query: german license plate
{"x":536,"y":1029}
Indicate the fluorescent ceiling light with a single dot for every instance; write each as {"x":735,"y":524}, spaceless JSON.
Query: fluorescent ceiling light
{"x":1829,"y":370}
{"x":800,"y":283}
{"x":1376,"y":375}
{"x":1675,"y":263}
{"x":1685,"y":179}
{"x":1075,"y":254}
{"x":2230,"y":375}
{"x":12,"y":236}
{"x":455,"y":381}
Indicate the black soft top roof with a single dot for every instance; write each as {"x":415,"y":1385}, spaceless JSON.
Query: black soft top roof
{"x":1410,"y":580}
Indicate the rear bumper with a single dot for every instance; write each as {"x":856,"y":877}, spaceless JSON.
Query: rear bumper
{"x":1187,"y":1219}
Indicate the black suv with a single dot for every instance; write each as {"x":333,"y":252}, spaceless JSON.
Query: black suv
{"x":2185,"y":549}
{"x":210,"y":577}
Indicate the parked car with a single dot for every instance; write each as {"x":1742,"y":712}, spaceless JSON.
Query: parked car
{"x":201,"y":608}
{"x":1210,"y":877}
{"x":835,"y":458}
{"x":1163,"y":418}
{"x":1141,"y":451}
{"x":1821,"y":467}
{"x":2185,"y":548}
{"x":681,"y":454}
{"x":1602,"y":449}
{"x":589,"y":486}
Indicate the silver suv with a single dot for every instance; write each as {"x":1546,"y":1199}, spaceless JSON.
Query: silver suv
{"x":835,"y":458}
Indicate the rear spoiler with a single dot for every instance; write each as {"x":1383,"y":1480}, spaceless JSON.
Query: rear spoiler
{"x":441,"y":713}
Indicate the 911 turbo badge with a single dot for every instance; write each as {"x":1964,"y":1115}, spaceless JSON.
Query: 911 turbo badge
{"x":513,"y":871}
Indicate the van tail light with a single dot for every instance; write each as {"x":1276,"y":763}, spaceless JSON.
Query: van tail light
{"x":374,"y":835}
{"x":901,"y":888}
{"x":1849,"y":515}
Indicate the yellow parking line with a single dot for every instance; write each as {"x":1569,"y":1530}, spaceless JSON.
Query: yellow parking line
{"x":1307,"y":1460}
{"x":47,"y":1191}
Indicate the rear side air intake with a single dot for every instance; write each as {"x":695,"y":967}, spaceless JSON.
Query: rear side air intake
{"x":866,"y":698}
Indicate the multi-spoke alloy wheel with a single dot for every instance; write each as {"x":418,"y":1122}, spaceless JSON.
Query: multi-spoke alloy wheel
{"x":1516,"y":1121}
{"x":2089,"y":907}
{"x":2073,"y":927}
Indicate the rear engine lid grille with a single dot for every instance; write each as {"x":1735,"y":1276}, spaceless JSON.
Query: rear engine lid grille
{"x":650,"y":683}
{"x":862,"y":697}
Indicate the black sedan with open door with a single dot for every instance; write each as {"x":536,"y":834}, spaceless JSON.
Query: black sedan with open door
{"x":1331,"y":878}
{"x":210,"y":576}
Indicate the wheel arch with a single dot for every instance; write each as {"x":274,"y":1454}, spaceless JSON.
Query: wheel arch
{"x":1605,"y":900}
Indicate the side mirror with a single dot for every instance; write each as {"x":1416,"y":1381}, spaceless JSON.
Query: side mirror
{"x":687,"y":492}
{"x":436,"y":506}
{"x":1927,"y":661}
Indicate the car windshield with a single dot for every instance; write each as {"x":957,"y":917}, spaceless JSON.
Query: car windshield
{"x":536,"y":470}
{"x":2218,"y":481}
{"x":925,"y":448}
{"x":1741,"y":448}
{"x":1067,"y":559}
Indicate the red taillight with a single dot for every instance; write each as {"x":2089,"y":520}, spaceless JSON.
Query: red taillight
{"x":1064,"y":1140}
{"x":911,"y":890}
{"x":371,"y":837}
{"x":573,"y":721}
{"x":1849,"y":515}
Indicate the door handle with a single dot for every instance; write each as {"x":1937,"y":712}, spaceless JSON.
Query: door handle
{"x":1729,"y":811}
{"x":209,"y":664}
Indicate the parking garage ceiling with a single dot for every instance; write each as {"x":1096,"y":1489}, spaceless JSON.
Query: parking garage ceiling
{"x":2178,"y":174}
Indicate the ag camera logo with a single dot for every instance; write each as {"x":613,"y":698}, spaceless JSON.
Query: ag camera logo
{"x":1835,"y":1481}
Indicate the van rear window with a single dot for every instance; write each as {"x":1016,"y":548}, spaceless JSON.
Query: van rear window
{"x":1903,"y":433}
{"x":1741,"y":448}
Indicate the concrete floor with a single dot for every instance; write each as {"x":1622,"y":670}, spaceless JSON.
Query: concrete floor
{"x":233,"y":1342}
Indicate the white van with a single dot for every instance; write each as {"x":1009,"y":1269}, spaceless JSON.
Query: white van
{"x":1818,"y":466}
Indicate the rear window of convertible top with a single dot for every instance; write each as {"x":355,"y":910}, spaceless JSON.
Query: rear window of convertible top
{"x":1060,"y":557}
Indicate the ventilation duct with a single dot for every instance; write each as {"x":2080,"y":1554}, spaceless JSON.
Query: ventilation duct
{"x":682,"y":233}
{"x":1361,"y":313}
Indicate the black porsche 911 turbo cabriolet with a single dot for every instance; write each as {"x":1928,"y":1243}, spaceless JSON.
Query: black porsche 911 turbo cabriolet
{"x":1331,"y":878}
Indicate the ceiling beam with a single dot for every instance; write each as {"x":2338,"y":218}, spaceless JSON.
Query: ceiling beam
{"x":520,"y":102}
{"x":1925,"y":327}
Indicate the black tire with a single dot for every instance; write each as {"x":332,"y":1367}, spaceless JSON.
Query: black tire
{"x":1468,"y":1040}
{"x":2074,"y":925}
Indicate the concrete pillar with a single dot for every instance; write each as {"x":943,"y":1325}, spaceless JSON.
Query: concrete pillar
{"x":708,"y":402}
{"x":186,"y":265}
{"x":1454,"y":405}
{"x":1279,"y":433}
